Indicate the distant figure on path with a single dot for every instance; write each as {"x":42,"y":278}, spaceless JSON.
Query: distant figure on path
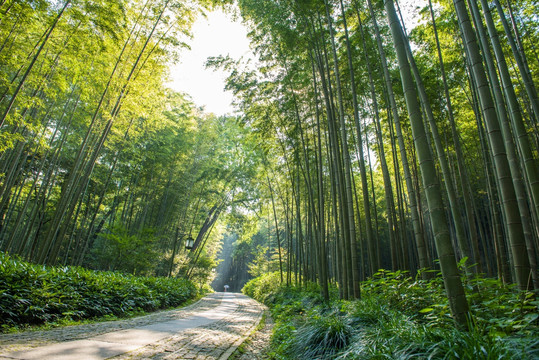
{"x":226,"y":288}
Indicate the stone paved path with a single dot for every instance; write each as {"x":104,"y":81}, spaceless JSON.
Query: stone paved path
{"x":209,"y":329}
{"x":257,"y":346}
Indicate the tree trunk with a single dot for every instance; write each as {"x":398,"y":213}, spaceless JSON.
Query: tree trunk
{"x":448,"y":264}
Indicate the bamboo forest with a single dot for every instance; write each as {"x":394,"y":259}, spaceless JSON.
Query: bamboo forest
{"x":376,"y":187}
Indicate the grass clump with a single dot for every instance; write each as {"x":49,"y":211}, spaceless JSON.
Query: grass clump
{"x":322,"y":336}
{"x":400,"y":317}
{"x":33,"y":295}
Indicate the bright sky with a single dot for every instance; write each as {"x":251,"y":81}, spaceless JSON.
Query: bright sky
{"x":214,"y":35}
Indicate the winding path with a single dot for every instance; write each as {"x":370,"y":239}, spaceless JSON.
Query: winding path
{"x":212,"y":328}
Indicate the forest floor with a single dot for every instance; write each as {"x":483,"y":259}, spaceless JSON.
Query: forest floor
{"x":212,"y":328}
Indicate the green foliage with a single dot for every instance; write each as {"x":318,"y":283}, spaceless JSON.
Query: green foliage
{"x":502,"y":309}
{"x":261,"y":287}
{"x":410,"y":295}
{"x":397,"y":336}
{"x":118,"y":250}
{"x":383,"y":332}
{"x":475,"y":344}
{"x":264,"y":261}
{"x":202,"y":273}
{"x":34,"y":295}
{"x":323,"y":335}
{"x":399,"y":317}
{"x":293,"y":337}
{"x":260,"y":263}
{"x":282,"y":339}
{"x":102,"y":165}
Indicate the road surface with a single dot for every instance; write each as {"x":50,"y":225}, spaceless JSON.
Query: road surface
{"x":212,"y":328}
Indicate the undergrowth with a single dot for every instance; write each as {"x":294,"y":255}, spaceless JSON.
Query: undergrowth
{"x":399,"y":317}
{"x":34,"y":295}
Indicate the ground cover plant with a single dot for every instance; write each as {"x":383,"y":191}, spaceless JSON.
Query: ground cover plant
{"x":399,"y":317}
{"x":35,"y":295}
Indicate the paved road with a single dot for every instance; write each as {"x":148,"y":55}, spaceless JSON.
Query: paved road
{"x":210,"y":329}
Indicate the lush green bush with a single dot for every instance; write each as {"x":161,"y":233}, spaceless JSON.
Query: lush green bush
{"x":399,"y":317}
{"x":33,"y":295}
{"x":261,"y":287}
{"x":499,"y":309}
{"x":410,"y":295}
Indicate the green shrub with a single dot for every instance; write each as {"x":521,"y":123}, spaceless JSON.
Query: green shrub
{"x":409,"y":295}
{"x":34,"y":295}
{"x":282,"y":339}
{"x":261,"y":287}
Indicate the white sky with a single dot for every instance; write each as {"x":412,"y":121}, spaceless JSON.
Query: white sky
{"x":214,"y":35}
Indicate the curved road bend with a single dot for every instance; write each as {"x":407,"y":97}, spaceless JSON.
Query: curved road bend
{"x":209,"y":329}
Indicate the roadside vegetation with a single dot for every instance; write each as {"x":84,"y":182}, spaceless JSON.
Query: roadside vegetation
{"x":398,"y":317}
{"x":34,"y":295}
